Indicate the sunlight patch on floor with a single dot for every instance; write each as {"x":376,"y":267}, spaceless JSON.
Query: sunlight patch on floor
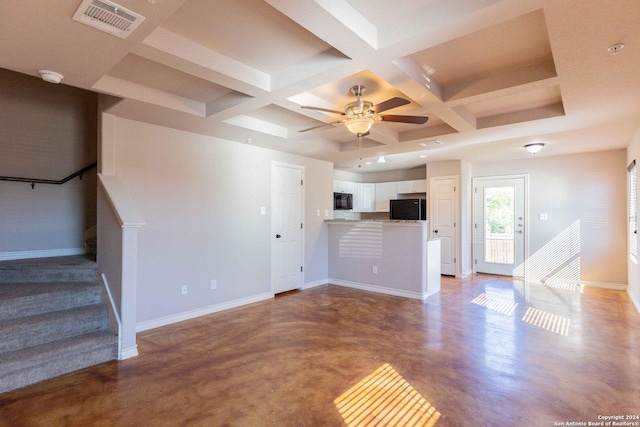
{"x":496,"y":304}
{"x":384,"y":398}
{"x":551,"y":322}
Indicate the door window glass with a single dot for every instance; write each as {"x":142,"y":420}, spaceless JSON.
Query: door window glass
{"x":499,"y":209}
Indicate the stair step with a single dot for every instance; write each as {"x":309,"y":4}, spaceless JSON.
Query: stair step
{"x":77,"y":268}
{"x":29,"y":299}
{"x":35,"y":330}
{"x":34,"y":364}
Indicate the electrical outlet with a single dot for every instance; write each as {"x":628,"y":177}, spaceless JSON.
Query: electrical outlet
{"x":214,"y":284}
{"x":374,"y":270}
{"x":184,"y":289}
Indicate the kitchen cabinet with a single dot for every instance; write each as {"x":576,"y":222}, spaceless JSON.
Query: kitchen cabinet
{"x":414,"y":186}
{"x":367,"y":197}
{"x":385,"y":191}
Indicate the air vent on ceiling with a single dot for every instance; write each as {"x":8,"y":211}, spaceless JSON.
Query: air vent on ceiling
{"x":109,"y":17}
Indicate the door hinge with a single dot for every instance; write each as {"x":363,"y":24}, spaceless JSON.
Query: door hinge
{"x":475,"y":190}
{"x":475,"y":261}
{"x":475,"y":225}
{"x":454,"y":189}
{"x":454,"y":260}
{"x":301,"y":182}
{"x":300,"y":269}
{"x":454,"y":225}
{"x":301,"y":226}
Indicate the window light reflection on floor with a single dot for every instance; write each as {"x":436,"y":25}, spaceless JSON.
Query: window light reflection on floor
{"x":496,"y":304}
{"x":551,"y":322}
{"x":384,"y":398}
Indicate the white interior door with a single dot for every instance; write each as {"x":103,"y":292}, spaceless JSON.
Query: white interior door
{"x":288,"y":236}
{"x":442,"y":220}
{"x":499,"y":225}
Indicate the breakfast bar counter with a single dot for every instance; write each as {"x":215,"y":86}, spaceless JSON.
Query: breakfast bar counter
{"x":388,"y":256}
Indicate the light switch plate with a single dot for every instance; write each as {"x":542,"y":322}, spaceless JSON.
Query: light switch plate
{"x":544,"y":217}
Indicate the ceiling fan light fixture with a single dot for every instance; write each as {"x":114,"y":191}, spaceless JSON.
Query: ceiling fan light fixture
{"x":359,"y":125}
{"x":534,"y":148}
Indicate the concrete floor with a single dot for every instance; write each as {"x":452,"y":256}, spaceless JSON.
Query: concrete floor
{"x":333,"y":356}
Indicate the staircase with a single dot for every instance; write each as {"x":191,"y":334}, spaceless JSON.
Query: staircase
{"x":52,"y":320}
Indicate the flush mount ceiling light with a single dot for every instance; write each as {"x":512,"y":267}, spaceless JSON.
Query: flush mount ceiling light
{"x":50,"y":76}
{"x":381,"y":159}
{"x":534,"y":148}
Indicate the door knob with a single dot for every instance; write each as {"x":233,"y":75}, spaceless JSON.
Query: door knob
{"x":278,"y":236}
{"x":435,"y":231}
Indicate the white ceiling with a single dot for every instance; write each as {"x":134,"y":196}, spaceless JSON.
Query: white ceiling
{"x":491,"y":75}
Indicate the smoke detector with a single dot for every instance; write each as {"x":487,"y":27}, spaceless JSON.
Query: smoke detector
{"x":108,"y":17}
{"x":50,"y":76}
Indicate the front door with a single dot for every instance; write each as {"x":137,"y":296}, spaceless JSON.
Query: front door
{"x":288,"y":237}
{"x":499,"y":225}
{"x":442,"y":220}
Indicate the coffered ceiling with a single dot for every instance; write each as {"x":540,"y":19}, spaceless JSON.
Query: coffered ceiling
{"x":490,"y":75}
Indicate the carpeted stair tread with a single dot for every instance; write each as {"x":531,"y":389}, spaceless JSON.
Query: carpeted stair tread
{"x":34,"y":364}
{"x":43,"y":328}
{"x":71,"y":268}
{"x":28,"y":299}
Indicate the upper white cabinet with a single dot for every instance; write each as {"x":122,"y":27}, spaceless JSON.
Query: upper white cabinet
{"x":341,"y":186}
{"x":367,"y":197}
{"x":414,"y":186}
{"x":385,"y":191}
{"x":370,"y":197}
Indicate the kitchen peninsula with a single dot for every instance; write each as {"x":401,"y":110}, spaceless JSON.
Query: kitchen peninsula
{"x":388,"y":256}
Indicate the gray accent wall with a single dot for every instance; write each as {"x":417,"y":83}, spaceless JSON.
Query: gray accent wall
{"x":47,"y":131}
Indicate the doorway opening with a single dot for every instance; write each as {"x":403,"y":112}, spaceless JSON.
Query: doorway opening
{"x":500,"y":224}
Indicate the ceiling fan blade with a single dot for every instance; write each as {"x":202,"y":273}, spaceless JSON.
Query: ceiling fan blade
{"x":416,"y":120}
{"x":323,"y":109}
{"x":319,"y":126}
{"x":389,"y":104}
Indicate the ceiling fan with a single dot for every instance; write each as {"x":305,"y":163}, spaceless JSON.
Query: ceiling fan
{"x":360,"y":115}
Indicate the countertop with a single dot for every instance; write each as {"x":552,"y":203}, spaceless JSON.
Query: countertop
{"x":392,"y":221}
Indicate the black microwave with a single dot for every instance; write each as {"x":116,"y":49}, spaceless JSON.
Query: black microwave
{"x":342,"y":201}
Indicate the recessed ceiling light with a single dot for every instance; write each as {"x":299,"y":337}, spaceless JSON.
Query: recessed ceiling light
{"x":432,"y":142}
{"x":367,"y":163}
{"x":381,"y":159}
{"x":422,"y":156}
{"x":616,"y":48}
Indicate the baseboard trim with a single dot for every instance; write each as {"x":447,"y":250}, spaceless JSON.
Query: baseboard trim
{"x":315,"y":283}
{"x":129,"y":352}
{"x":192,"y":314}
{"x":634,"y":299}
{"x":603,"y":285}
{"x":379,"y":289}
{"x":466,"y":274}
{"x":6,"y":256}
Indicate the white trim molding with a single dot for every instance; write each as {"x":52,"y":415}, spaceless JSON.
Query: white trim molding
{"x":380,"y":289}
{"x":634,"y":299}
{"x":46,"y":253}
{"x":315,"y":283}
{"x":604,"y":285}
{"x":192,"y":314}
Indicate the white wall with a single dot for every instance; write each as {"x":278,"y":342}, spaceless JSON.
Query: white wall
{"x":587,"y":189}
{"x":201,"y":200}
{"x":633,"y":153}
